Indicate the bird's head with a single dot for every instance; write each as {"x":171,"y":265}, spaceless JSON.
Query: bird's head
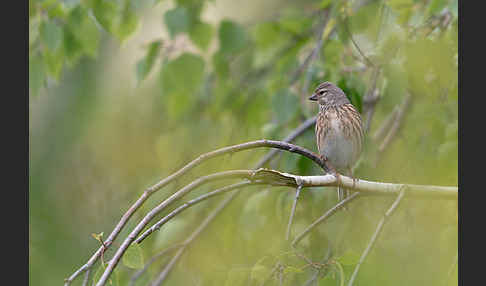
{"x":328,"y":93}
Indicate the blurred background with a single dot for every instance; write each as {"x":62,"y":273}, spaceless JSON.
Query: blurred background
{"x":123,"y":93}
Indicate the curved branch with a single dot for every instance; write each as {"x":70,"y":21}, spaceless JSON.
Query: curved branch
{"x":269,"y":156}
{"x":202,"y":158}
{"x":188,"y":204}
{"x":242,"y":174}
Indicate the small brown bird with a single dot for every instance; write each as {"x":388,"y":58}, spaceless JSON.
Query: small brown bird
{"x":339,"y":130}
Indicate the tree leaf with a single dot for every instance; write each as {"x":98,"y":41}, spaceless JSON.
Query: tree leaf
{"x":51,"y":35}
{"x":127,"y":21}
{"x":177,"y":20}
{"x":201,"y":35}
{"x":181,"y":79}
{"x":145,"y":64}
{"x":232,"y":37}
{"x":133,"y":257}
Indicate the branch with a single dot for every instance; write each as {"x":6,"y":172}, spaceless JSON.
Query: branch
{"x":323,"y":218}
{"x":234,"y":174}
{"x":397,"y":123}
{"x":375,"y":235}
{"x":188,"y":241}
{"x":315,"y":51}
{"x":202,"y":158}
{"x":177,"y":195}
{"x":291,"y":137}
{"x":269,"y":156}
{"x":190,"y":203}
{"x":137,"y":274}
{"x":292,"y":213}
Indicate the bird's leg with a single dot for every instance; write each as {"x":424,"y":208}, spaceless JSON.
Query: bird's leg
{"x":350,"y":172}
{"x":333,"y":170}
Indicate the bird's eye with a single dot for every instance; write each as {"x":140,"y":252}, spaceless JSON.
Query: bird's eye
{"x":321,"y":92}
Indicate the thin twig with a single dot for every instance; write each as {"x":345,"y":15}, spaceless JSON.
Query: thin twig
{"x":292,"y":212}
{"x":385,"y":126}
{"x":375,"y":235}
{"x":372,"y":97}
{"x":86,"y":277}
{"x":368,"y":62}
{"x":190,"y":203}
{"x":314,"y":55}
{"x":323,"y":218}
{"x":397,"y":123}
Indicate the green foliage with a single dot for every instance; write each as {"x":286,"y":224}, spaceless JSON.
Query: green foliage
{"x":232,"y":37}
{"x":181,"y":79}
{"x":222,"y":82}
{"x":177,"y":21}
{"x":145,"y":64}
{"x":201,"y":34}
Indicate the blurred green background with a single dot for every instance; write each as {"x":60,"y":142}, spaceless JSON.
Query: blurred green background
{"x":123,"y":93}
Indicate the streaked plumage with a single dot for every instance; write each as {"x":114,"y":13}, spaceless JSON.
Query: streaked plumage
{"x":339,"y":131}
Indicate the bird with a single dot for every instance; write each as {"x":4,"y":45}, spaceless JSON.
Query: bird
{"x":339,"y":131}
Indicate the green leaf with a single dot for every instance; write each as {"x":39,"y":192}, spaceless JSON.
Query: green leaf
{"x":51,"y":35}
{"x":127,"y":21}
{"x":144,"y":65}
{"x":220,"y":64}
{"x":89,"y":36}
{"x":267,"y":35}
{"x":133,"y":257}
{"x":81,"y":35}
{"x":201,"y":35}
{"x":181,"y":80}
{"x":232,"y":37}
{"x":105,"y":12}
{"x":177,"y":21}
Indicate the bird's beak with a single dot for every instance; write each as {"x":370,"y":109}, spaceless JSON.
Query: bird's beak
{"x":313,"y":97}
